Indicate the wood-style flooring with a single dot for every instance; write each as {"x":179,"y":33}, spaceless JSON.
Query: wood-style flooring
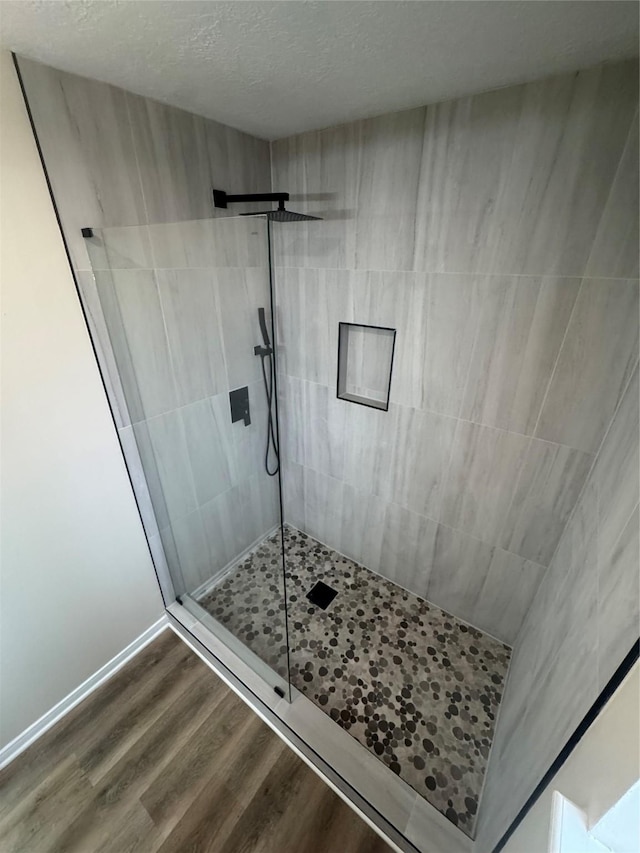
{"x":165,"y":757}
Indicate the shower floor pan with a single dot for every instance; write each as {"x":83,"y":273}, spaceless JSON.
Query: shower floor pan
{"x":414,"y":685}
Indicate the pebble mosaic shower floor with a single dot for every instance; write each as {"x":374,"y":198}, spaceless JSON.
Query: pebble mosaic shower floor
{"x":415,"y":685}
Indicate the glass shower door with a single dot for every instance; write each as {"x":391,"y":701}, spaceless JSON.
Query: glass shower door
{"x":186,"y":318}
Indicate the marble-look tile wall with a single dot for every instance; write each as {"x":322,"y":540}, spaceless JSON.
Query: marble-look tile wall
{"x":498,"y":235}
{"x":583,"y":620}
{"x":172,"y":307}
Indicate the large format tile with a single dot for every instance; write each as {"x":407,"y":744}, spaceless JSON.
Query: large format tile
{"x":323,"y":507}
{"x":452,"y":310}
{"x":616,"y":247}
{"x":221,"y":519}
{"x":323,"y":429}
{"x":164,"y":453}
{"x":570,"y":137}
{"x":407,"y":549}
{"x":191,"y":550}
{"x":552,"y":680}
{"x":549,"y":484}
{"x":239,"y":295}
{"x":193,"y":323}
{"x":619,"y":600}
{"x":310,"y":305}
{"x":369,"y":440}
{"x":104,"y":348}
{"x":173,"y":161}
{"x":209,"y":441}
{"x":259,"y":508}
{"x":133,"y":316}
{"x":363,"y":521}
{"x":415,"y":461}
{"x":321,"y":172}
{"x":459,"y":567}
{"x":521,"y":327}
{"x":483,"y":472}
{"x":596,"y":360}
{"x":466,"y":158}
{"x":616,"y":472}
{"x":83,"y":129}
{"x":506,"y":594}
{"x":389,"y":171}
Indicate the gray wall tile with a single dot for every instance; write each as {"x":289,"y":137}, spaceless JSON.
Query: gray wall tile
{"x":520,"y":330}
{"x":192,"y":550}
{"x":163,"y":449}
{"x":583,"y":620}
{"x":415,"y":462}
{"x":570,"y":136}
{"x":239,"y":294}
{"x":83,"y":129}
{"x":483,"y":471}
{"x":209,"y":441}
{"x":407,"y":548}
{"x":506,"y":594}
{"x":596,"y":360}
{"x":460,"y":564}
{"x":477,"y":257}
{"x":546,"y":492}
{"x":616,"y":471}
{"x":109,"y":368}
{"x":467,"y":151}
{"x":192,"y":320}
{"x":619,"y":599}
{"x":616,"y":248}
{"x":173,"y":161}
{"x":454,"y":303}
{"x":133,"y":315}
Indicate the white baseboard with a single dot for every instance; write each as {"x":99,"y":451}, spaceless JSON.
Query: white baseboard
{"x":35,"y":730}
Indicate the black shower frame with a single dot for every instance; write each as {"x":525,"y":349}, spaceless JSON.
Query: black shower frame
{"x":345,"y":323}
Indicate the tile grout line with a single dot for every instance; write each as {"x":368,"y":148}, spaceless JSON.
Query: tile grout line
{"x":418,"y":514}
{"x":455,"y":418}
{"x":597,"y":454}
{"x":467,"y":273}
{"x":535,"y":426}
{"x":627,"y":143}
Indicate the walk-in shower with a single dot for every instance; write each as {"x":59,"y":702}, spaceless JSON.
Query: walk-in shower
{"x":246,"y":551}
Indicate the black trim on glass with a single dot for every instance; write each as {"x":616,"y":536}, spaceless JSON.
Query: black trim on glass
{"x":82,"y":308}
{"x":342,"y":394}
{"x":607,"y":692}
{"x":272,"y":300}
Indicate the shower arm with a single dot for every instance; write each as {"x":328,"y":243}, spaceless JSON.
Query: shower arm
{"x":222,"y":199}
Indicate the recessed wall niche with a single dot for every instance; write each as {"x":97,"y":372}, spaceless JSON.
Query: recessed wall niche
{"x":365,"y":362}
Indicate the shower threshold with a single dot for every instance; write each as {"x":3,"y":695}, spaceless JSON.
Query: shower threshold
{"x":415,"y":686}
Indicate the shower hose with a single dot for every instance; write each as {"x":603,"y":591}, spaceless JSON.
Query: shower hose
{"x":268,"y":378}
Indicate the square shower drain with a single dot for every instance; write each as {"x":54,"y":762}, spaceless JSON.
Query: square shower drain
{"x":321,"y":595}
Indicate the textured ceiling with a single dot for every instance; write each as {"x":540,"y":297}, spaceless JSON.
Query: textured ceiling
{"x":277,"y":68}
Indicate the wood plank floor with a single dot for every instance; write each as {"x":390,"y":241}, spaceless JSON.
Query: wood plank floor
{"x":164,"y":757}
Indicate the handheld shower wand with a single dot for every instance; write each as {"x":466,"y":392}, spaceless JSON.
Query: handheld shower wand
{"x":266,"y":352}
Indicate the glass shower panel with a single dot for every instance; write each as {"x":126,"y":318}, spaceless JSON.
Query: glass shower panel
{"x":182,"y":305}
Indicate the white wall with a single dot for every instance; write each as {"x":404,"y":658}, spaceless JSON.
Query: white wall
{"x":598,"y":772}
{"x":77,"y":583}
